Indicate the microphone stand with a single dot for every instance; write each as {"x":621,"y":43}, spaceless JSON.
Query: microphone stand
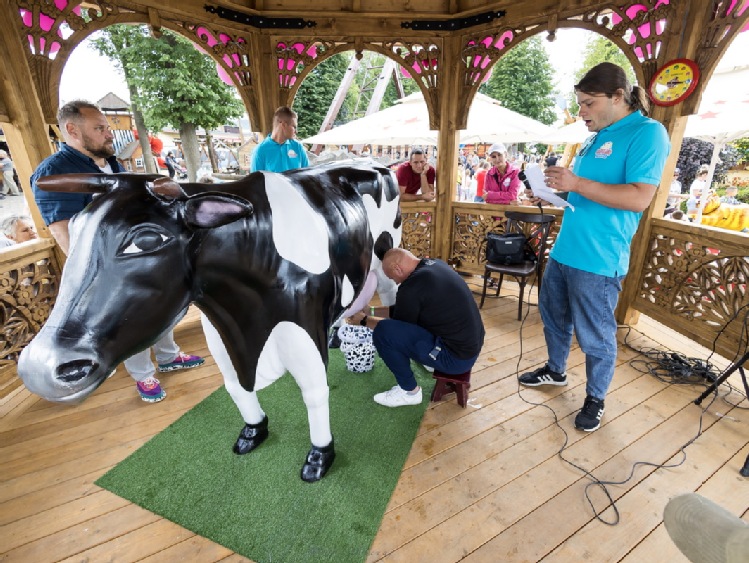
{"x":739,"y":365}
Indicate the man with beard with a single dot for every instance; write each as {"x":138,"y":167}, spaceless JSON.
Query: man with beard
{"x":89,"y":149}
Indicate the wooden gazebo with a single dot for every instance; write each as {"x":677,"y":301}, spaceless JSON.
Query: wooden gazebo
{"x":683,"y":275}
{"x":692,"y":279}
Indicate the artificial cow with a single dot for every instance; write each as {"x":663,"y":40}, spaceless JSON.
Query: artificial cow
{"x":272,"y":261}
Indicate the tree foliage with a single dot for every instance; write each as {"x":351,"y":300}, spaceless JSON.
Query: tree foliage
{"x":742,"y":149}
{"x":316,"y":93}
{"x":174,"y":84}
{"x":695,"y":152}
{"x":522,"y":81}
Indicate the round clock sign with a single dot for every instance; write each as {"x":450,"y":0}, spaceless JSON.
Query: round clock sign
{"x":674,"y":82}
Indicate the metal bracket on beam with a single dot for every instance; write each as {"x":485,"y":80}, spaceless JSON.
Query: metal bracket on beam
{"x":259,"y":21}
{"x":453,"y":24}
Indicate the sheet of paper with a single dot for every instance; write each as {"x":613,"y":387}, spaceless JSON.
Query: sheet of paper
{"x":536,"y":178}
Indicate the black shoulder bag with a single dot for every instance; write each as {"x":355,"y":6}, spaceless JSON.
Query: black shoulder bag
{"x":508,"y":249}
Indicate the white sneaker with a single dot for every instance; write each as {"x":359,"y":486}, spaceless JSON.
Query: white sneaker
{"x":430,"y":369}
{"x":398,"y":397}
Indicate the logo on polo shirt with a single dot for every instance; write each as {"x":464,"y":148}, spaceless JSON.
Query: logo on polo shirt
{"x":605,"y":150}
{"x":292,"y":153}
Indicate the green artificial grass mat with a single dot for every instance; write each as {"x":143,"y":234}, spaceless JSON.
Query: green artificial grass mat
{"x":256,"y":504}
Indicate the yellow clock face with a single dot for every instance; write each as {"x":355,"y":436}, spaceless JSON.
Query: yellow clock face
{"x":674,"y":82}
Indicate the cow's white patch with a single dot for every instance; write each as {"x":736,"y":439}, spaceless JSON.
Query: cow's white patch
{"x":246,"y":401}
{"x":347,"y":292}
{"x":288,"y":347}
{"x":300,"y":233}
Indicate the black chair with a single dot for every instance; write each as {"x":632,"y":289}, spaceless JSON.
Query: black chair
{"x":536,"y":227}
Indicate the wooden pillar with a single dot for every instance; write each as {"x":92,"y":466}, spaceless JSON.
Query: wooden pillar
{"x":686,"y":32}
{"x":27,"y":132}
{"x":266,"y":90}
{"x":447,"y":168}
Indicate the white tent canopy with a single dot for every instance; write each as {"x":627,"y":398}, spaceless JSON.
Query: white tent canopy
{"x":407,"y":123}
{"x":575,"y":132}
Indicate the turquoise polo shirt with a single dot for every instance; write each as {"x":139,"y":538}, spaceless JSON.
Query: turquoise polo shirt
{"x":271,"y":156}
{"x":596,"y":238}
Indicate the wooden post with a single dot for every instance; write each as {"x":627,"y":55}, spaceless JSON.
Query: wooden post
{"x":447,"y":168}
{"x":27,"y":133}
{"x":674,"y":119}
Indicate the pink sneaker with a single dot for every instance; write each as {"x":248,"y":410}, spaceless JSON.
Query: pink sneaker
{"x":182,"y":361}
{"x":150,"y":390}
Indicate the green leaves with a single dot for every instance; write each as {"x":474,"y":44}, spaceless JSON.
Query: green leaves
{"x":174,"y":82}
{"x":522,"y":81}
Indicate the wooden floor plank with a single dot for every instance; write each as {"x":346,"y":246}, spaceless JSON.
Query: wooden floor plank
{"x":478,"y":483}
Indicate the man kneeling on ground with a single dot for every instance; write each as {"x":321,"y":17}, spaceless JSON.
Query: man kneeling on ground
{"x":435,"y":321}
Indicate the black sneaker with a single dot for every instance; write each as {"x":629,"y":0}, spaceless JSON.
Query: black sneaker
{"x":543,"y":376}
{"x":589,"y":418}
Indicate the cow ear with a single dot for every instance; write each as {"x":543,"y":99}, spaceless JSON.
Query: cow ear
{"x":208,"y":211}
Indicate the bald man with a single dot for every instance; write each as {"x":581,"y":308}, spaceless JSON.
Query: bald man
{"x":435,"y":321}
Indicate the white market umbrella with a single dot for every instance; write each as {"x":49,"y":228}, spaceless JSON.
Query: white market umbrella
{"x":573,"y":133}
{"x":490,"y":122}
{"x":407,"y":123}
{"x":723,"y":115}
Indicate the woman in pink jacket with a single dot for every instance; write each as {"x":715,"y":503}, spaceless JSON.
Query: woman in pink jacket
{"x":502,"y":183}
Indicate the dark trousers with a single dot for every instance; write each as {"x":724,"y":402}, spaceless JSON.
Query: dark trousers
{"x":398,"y":343}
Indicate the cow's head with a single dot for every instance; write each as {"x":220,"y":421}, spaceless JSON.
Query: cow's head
{"x":126,"y":280}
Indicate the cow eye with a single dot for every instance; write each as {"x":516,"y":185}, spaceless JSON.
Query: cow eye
{"x":145,"y":240}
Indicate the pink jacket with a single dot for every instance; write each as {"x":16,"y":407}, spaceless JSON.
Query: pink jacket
{"x":502,"y":188}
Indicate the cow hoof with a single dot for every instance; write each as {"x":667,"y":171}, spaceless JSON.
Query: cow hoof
{"x":251,"y":436}
{"x":318,"y":462}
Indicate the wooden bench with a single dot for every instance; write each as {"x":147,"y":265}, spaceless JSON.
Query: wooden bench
{"x":446,"y":383}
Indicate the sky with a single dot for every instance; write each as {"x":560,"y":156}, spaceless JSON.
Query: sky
{"x":89,"y":76}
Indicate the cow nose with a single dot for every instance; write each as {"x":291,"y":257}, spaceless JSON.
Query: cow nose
{"x":76,"y":370}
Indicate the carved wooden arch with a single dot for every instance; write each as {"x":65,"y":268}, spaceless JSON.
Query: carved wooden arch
{"x":49,"y":49}
{"x":297,"y":58}
{"x":644,"y":52}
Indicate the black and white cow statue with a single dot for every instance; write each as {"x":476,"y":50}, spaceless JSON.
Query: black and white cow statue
{"x":271,"y":260}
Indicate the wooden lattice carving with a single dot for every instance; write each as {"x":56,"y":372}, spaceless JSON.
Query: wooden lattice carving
{"x":295,"y":56}
{"x":697,"y":287}
{"x":469,"y":236}
{"x":232,"y":52}
{"x":27,"y":294}
{"x":418,"y":232}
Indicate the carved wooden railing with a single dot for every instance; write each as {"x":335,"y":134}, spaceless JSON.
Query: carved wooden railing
{"x":695,"y":282}
{"x":29,"y":282}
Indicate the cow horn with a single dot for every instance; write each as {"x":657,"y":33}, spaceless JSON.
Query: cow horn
{"x":167,"y":187}
{"x":93,"y":183}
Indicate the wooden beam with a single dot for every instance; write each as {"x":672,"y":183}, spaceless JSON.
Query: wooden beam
{"x":447,"y":168}
{"x":26,"y":130}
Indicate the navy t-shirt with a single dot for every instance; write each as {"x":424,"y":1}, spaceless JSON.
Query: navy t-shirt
{"x":436,"y":298}
{"x":60,"y":206}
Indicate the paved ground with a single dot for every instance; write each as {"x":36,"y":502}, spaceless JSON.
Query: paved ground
{"x":13,"y":204}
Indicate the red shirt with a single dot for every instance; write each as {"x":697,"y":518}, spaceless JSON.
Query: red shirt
{"x":480,"y":177}
{"x":407,"y":177}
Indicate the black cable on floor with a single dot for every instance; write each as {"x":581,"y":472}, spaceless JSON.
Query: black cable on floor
{"x":667,"y":366}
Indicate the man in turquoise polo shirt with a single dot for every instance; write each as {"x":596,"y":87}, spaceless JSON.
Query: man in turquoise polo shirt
{"x":613,"y":180}
{"x":280,"y":151}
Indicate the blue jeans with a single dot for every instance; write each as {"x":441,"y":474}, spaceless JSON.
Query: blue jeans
{"x":399,"y":342}
{"x":571,"y":298}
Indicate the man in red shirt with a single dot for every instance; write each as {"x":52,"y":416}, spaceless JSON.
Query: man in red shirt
{"x":416,"y":176}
